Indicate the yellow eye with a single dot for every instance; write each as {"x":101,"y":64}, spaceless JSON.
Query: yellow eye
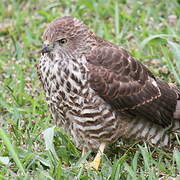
{"x":62,"y":41}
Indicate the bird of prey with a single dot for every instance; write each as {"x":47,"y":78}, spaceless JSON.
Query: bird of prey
{"x":99,"y":93}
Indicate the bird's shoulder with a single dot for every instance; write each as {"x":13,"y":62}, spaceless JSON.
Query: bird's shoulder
{"x":112,"y":65}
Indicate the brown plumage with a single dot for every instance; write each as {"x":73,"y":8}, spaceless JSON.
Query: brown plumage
{"x":99,"y":92}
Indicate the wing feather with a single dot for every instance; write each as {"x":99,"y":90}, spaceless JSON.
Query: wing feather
{"x":127,"y":85}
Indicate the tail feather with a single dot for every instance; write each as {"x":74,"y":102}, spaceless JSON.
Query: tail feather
{"x":147,"y":131}
{"x":176,"y":114}
{"x":177,"y":111}
{"x":176,"y":126}
{"x":143,"y":129}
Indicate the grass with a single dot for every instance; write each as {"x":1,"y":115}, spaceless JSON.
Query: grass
{"x":31,"y":147}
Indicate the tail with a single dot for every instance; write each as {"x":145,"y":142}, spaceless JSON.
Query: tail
{"x":162,"y":137}
{"x":176,"y":114}
{"x":156,"y":135}
{"x":177,"y":111}
{"x":141,"y":129}
{"x":176,"y":124}
{"x":146,"y":130}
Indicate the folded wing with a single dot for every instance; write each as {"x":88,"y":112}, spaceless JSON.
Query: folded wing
{"x":128,"y":86}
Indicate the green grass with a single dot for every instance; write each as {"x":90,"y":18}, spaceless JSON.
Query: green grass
{"x":30,"y":146}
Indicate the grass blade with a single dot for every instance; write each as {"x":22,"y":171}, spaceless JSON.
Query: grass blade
{"x":130,"y":171}
{"x":150,"y":38}
{"x":116,"y":166}
{"x":134,"y":161}
{"x":175,"y":48}
{"x":171,"y":65}
{"x":48,"y":137}
{"x":146,"y":157}
{"x":177,"y":159}
{"x":116,"y":17}
{"x":11,"y":149}
{"x":3,"y":177}
{"x":173,"y":70}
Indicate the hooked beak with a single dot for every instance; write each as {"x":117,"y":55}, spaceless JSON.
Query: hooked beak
{"x":46,"y":49}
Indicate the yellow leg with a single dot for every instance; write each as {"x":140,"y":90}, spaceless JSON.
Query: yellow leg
{"x":83,"y":151}
{"x":96,"y":162}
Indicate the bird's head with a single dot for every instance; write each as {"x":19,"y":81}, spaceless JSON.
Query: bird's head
{"x":66,"y":34}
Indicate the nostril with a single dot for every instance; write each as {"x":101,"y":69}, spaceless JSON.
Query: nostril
{"x":45,"y":49}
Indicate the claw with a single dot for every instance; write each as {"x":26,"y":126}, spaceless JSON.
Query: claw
{"x":96,"y":162}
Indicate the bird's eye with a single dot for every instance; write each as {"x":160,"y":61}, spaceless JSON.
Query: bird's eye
{"x":62,"y":41}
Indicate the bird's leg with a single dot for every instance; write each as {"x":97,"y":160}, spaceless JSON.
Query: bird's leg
{"x":96,"y":162}
{"x":84,"y":150}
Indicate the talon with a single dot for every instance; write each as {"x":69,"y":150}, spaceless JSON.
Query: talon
{"x":96,"y":162}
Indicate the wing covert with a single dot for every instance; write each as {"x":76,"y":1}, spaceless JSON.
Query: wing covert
{"x":120,"y":79}
{"x":127,"y":85}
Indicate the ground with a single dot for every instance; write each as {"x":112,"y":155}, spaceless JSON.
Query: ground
{"x":31,"y":147}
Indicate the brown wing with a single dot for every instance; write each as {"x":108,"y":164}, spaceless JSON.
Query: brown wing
{"x":129,"y":86}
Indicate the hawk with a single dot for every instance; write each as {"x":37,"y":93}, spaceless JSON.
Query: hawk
{"x":99,"y":93}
